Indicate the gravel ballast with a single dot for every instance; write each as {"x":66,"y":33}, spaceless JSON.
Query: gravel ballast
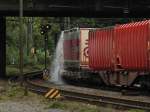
{"x":25,"y":106}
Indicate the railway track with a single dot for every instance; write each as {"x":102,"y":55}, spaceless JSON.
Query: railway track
{"x":87,"y":95}
{"x":29,"y":75}
{"x":33,"y":74}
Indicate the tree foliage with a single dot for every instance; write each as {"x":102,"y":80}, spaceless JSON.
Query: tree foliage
{"x":12,"y":42}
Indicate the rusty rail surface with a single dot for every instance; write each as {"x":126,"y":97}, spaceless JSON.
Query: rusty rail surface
{"x":83,"y":96}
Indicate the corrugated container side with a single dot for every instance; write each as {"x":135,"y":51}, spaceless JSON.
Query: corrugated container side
{"x":148,"y":44}
{"x":131,"y":42}
{"x":101,"y":49}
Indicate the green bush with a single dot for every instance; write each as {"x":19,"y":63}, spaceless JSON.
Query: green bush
{"x":30,"y":60}
{"x":12,"y":55}
{"x":41,"y":57}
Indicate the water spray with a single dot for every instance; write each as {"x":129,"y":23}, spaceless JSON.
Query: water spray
{"x":57,"y":64}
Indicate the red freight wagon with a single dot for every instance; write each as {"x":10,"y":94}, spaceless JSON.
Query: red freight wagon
{"x":101,"y":49}
{"x":67,"y":45}
{"x":131,"y":44}
{"x":117,"y":55}
{"x":71,"y":48}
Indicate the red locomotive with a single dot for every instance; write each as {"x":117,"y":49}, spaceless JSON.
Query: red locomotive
{"x":118,"y":55}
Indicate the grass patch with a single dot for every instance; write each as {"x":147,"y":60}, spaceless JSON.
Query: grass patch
{"x":12,"y":70}
{"x":73,"y":106}
{"x":57,"y":105}
{"x":17,"y":93}
{"x":14,"y":91}
{"x":11,"y":92}
{"x":136,"y":110}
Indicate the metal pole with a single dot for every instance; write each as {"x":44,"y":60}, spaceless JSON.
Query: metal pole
{"x":29,"y":35}
{"x":21,"y":42}
{"x":46,"y":37}
{"x":21,"y":48}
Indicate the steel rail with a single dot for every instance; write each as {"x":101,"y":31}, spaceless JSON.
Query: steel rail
{"x":108,"y":100}
{"x":13,"y":80}
{"x":93,"y":99}
{"x":32,"y":74}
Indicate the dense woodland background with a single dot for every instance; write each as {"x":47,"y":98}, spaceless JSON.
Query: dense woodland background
{"x":33,"y":39}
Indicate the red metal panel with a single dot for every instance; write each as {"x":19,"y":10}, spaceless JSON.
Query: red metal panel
{"x":131,"y":42}
{"x":71,"y":46}
{"x":75,"y":49}
{"x":67,"y":49}
{"x":100,"y":49}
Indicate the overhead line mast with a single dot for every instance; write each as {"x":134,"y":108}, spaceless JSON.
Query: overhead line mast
{"x":21,"y":40}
